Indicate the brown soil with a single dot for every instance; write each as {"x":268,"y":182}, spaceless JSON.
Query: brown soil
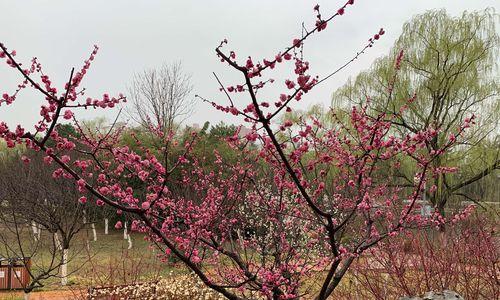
{"x":44,"y":295}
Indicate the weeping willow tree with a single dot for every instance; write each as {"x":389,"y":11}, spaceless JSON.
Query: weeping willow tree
{"x":449,"y":72}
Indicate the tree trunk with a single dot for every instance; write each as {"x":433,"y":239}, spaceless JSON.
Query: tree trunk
{"x":441,"y":210}
{"x":125,"y":232}
{"x":64,"y":268}
{"x":57,"y":242}
{"x":27,"y":296}
{"x":106,"y":225}
{"x":35,"y":230}
{"x":129,"y":239}
{"x":94,"y":232}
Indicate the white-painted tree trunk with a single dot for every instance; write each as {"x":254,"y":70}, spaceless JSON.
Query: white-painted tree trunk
{"x":27,"y":296}
{"x":94,"y":232}
{"x":64,"y":268}
{"x":129,"y":239}
{"x":106,"y":225}
{"x":57,"y":241}
{"x":35,"y":230}
{"x":125,"y":232}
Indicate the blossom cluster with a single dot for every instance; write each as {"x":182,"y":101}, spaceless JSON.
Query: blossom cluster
{"x":58,"y":103}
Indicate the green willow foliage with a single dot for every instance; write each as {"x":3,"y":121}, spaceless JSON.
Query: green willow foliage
{"x":450,"y":71}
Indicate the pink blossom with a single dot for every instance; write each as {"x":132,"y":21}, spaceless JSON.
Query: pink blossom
{"x":48,"y":160}
{"x":234,"y":110}
{"x":68,"y":114}
{"x":57,"y":173}
{"x":296,"y":43}
{"x":25,"y":159}
{"x":80,"y":183}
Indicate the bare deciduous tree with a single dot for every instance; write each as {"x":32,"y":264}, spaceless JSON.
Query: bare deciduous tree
{"x":160,"y":96}
{"x":31,"y":199}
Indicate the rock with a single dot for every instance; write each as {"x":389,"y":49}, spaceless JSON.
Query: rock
{"x":444,"y":295}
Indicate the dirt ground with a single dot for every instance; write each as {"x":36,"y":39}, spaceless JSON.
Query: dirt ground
{"x":44,"y":295}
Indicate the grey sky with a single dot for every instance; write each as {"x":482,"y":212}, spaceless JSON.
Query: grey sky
{"x":134,"y":35}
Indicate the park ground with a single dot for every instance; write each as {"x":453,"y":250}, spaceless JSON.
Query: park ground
{"x":106,"y":261}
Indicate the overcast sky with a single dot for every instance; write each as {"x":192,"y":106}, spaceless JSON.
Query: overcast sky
{"x":134,"y":35}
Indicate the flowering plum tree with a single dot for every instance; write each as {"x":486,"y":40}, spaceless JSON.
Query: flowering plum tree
{"x":286,"y":218}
